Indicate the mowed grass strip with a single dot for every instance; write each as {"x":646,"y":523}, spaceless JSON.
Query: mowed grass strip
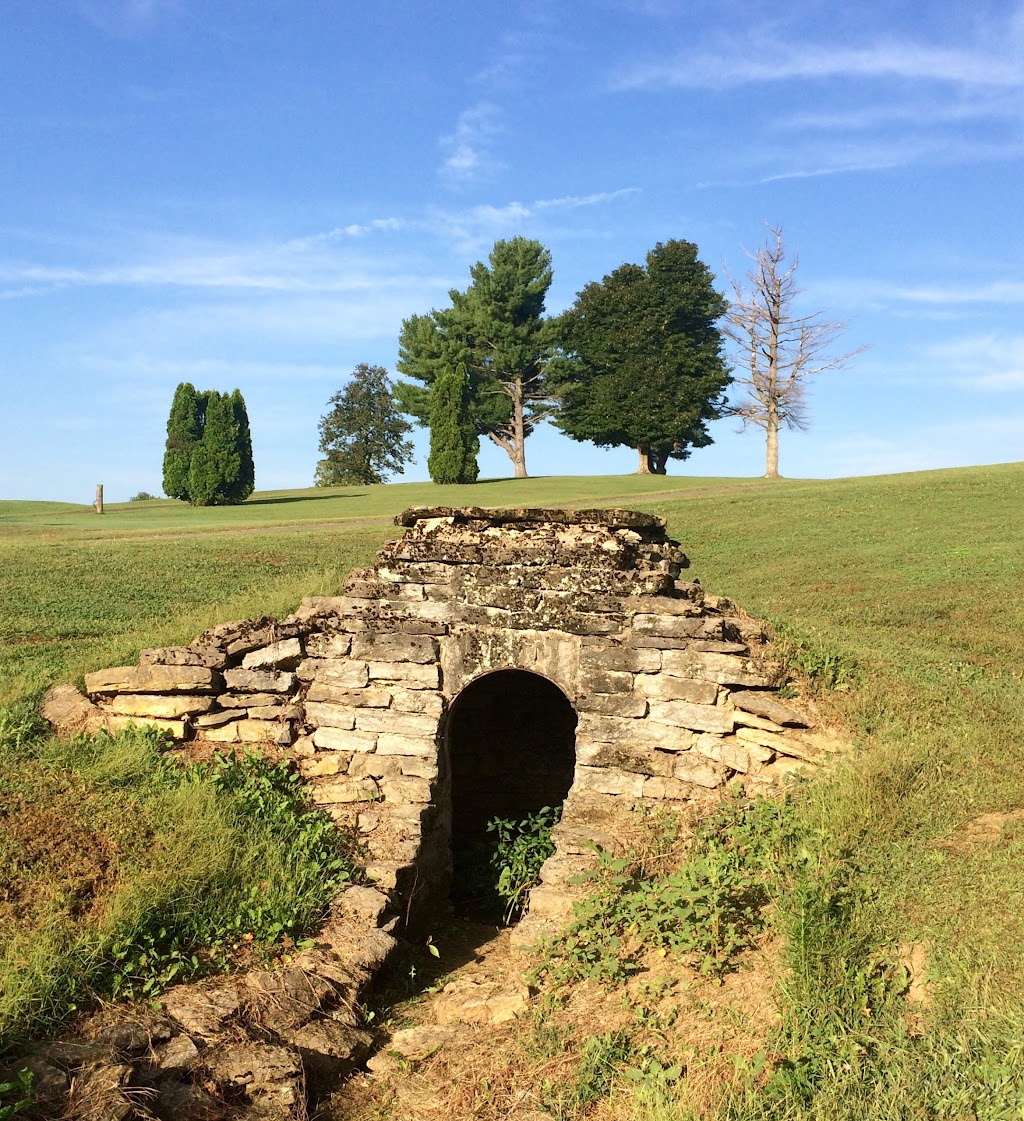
{"x":320,"y":505}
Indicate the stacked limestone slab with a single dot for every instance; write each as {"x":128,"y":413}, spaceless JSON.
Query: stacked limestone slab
{"x":672,"y":688}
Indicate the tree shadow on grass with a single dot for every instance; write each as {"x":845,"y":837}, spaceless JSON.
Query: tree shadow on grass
{"x":306,"y":498}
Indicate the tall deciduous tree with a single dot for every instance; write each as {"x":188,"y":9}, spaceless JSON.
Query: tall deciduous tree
{"x":208,"y":459}
{"x":642,"y":363}
{"x":362,"y":437}
{"x":454,"y":444}
{"x":776,"y":348}
{"x":498,"y":329}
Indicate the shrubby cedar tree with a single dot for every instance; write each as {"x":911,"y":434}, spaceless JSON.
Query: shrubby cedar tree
{"x":362,"y":437}
{"x":454,"y":444}
{"x":775,"y":348}
{"x":208,"y":458}
{"x":642,"y":363}
{"x":498,"y":331}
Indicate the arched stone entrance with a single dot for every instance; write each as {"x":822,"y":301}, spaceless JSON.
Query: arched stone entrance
{"x":510,"y":750}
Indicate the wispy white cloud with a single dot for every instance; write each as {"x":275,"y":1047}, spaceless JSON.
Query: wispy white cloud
{"x":987,"y":363}
{"x":469,"y":149}
{"x":756,"y":61}
{"x":928,"y":295}
{"x":472,"y":229}
{"x":126,"y":19}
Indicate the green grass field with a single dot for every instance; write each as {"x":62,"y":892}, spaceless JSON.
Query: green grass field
{"x":904,"y":590}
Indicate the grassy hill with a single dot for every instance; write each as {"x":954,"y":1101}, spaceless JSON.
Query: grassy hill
{"x":898,"y":598}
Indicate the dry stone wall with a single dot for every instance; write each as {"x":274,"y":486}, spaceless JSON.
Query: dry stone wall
{"x":672,"y":688}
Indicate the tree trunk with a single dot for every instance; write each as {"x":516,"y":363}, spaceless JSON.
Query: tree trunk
{"x":518,"y":430}
{"x":645,"y":460}
{"x":772,"y":445}
{"x":659,"y":461}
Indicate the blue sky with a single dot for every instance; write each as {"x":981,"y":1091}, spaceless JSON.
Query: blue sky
{"x":255,"y":194}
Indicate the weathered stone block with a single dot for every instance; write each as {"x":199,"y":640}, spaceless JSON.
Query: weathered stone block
{"x":344,"y":789}
{"x":263,"y":731}
{"x":668,"y":789}
{"x":749,"y":720}
{"x":330,"y":716}
{"x":406,"y":789}
{"x":400,"y":723}
{"x":153,"y":679}
{"x":726,"y":750}
{"x":259,"y":681}
{"x":353,"y":698}
{"x":339,"y":739}
{"x":605,"y":681}
{"x":668,"y":626}
{"x":328,"y":645}
{"x":343,"y":672}
{"x":782,"y":745}
{"x":252,"y":700}
{"x":176,"y":729}
{"x":419,"y":701}
{"x":395,"y":647}
{"x":334,"y":763}
{"x":216,"y":719}
{"x":637,"y":760}
{"x":693,"y":770}
{"x":717,"y":646}
{"x":222,"y":733}
{"x":761,"y":704}
{"x":375,"y":766}
{"x":622,"y":658}
{"x":389,"y":743}
{"x":275,"y":712}
{"x":168,"y":707}
{"x":171,"y":656}
{"x":412,"y":675}
{"x":724,"y":669}
{"x":604,"y":781}
{"x":278,"y":655}
{"x":659,"y":687}
{"x":698,"y":717}
{"x":417,"y":767}
{"x":614,"y":704}
{"x":616,"y":730}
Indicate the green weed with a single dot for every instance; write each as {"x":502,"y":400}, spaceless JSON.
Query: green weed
{"x":15,"y":1096}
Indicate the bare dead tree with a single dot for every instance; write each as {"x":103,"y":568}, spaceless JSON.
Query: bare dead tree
{"x":776,"y":350}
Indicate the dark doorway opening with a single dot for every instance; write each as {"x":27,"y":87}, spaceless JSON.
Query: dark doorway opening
{"x":511,"y":751}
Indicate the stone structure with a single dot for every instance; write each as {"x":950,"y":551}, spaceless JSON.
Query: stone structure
{"x":492,"y":662}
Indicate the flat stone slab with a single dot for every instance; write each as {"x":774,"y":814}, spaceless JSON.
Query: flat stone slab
{"x":153,"y":679}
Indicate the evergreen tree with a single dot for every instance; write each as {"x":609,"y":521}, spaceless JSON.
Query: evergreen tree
{"x":498,"y":329}
{"x":208,"y":459}
{"x":215,"y":459}
{"x":184,"y":428}
{"x":454,"y":444}
{"x":362,"y":437}
{"x":245,"y":482}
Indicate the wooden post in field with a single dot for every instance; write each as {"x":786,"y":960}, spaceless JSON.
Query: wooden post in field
{"x":99,"y":498}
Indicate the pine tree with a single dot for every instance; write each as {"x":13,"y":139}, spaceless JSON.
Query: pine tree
{"x":215,"y":459}
{"x":184,"y":428}
{"x":245,"y":481}
{"x":454,"y":443}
